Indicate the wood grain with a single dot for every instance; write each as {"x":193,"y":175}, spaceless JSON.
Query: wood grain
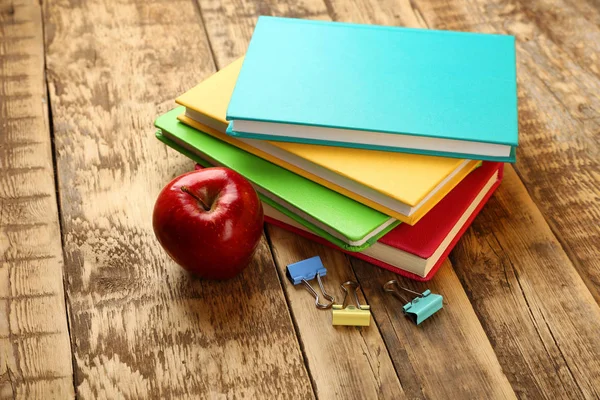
{"x":230,"y":23}
{"x":559,"y":97}
{"x":344,"y":362}
{"x":416,"y":352}
{"x":419,"y":374}
{"x":449,"y":355}
{"x":35,"y":354}
{"x":547,"y":345}
{"x":141,"y":327}
{"x":530,"y":299}
{"x":525,"y":330}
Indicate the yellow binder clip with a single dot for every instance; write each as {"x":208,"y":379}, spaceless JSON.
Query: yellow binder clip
{"x":359,"y":315}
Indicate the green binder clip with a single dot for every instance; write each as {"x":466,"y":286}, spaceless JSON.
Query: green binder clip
{"x":421,"y":307}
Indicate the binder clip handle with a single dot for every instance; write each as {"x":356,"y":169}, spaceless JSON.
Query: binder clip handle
{"x":351,"y":315}
{"x":355,"y":286}
{"x":394,"y":288}
{"x":316,"y":295}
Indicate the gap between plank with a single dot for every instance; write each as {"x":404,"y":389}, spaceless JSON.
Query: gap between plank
{"x":313,"y":384}
{"x":210,"y":47}
{"x":58,"y":204}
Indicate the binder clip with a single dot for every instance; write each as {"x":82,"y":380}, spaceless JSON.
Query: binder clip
{"x":359,"y":315}
{"x":421,"y":307}
{"x":305,"y":270}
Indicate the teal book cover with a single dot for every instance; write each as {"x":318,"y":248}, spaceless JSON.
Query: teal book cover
{"x":443,"y":92}
{"x":346,"y":222}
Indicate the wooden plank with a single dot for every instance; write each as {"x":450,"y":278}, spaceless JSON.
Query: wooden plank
{"x":352,"y":364}
{"x":344,"y":362}
{"x":554,"y":28}
{"x":530,"y":299}
{"x":560,"y":126}
{"x":419,"y":354}
{"x":35,"y":353}
{"x":231,"y":24}
{"x":553,"y":326}
{"x":450,"y":355}
{"x":141,"y":327}
{"x":540,"y":316}
{"x":559,"y":95}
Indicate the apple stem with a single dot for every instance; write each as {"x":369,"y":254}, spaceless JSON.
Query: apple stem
{"x":185,"y":189}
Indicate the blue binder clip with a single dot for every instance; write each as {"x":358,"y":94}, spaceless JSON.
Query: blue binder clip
{"x":421,"y":307}
{"x":306,"y":270}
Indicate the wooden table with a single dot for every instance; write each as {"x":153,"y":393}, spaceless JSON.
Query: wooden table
{"x":91,"y":306}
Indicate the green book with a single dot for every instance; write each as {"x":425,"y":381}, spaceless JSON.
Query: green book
{"x":339,"y":219}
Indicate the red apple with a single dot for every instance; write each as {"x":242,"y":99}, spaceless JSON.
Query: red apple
{"x":209,"y":221}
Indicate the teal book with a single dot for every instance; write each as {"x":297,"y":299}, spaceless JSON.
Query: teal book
{"x":422,"y":91}
{"x":345,"y":222}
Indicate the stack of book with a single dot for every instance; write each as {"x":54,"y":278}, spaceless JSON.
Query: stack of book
{"x":382,"y":142}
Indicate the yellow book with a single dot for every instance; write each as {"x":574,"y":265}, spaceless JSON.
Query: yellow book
{"x":403,"y":186}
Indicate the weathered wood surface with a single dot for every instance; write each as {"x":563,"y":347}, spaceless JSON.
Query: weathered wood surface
{"x":344,"y":362}
{"x":355,"y":364}
{"x":140,"y":327}
{"x":530,"y":299}
{"x":519,"y":317}
{"x":334,"y":360}
{"x":449,"y":356}
{"x":35,"y":354}
{"x":553,"y":323}
{"x":558,"y":47}
{"x":416,"y":352}
{"x":532,"y":341}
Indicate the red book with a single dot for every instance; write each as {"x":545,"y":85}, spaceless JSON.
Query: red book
{"x":418,"y":251}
